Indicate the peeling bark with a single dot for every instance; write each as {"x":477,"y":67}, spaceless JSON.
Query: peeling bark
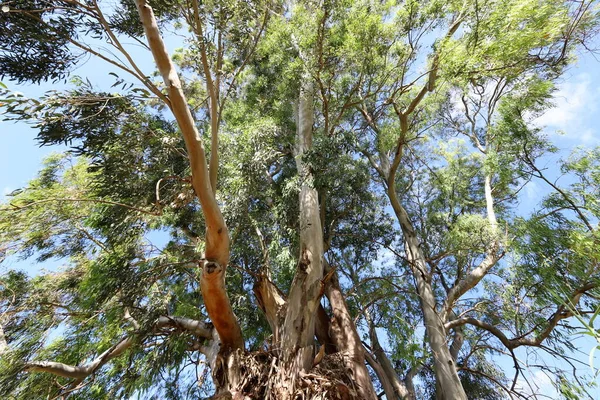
{"x":322,"y":329}
{"x":345,"y":337}
{"x":303,"y":300}
{"x":273,"y":303}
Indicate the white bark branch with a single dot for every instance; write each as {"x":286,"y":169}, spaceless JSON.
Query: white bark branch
{"x":80,"y":372}
{"x":492,"y":256}
{"x":561,"y":313}
{"x":3,"y":343}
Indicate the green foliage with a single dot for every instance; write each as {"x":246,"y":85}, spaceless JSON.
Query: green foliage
{"x":33,"y":39}
{"x":124,"y":182}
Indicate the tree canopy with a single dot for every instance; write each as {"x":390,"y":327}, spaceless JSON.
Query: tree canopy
{"x":307,"y":198}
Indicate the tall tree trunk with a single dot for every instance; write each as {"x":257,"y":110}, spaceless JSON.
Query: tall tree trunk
{"x":450,"y":387}
{"x":345,"y":337}
{"x":400,"y":391}
{"x":216,"y":254}
{"x":386,"y":385}
{"x":3,"y":343}
{"x":303,"y":300}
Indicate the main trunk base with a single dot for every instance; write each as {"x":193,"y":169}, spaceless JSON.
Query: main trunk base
{"x":257,"y":376}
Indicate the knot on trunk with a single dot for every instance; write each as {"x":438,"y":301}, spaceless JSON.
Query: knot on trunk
{"x":211,"y":268}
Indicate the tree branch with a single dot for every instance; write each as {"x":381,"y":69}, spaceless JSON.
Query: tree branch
{"x":83,"y":371}
{"x":212,"y":285}
{"x":492,"y":255}
{"x":561,"y":313}
{"x":213,"y":92}
{"x":80,"y":372}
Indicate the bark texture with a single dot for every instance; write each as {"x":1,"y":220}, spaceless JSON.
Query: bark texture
{"x":345,"y":337}
{"x":399,"y":389}
{"x":217,"y":236}
{"x":450,"y":387}
{"x":273,"y":303}
{"x":303,"y":300}
{"x":3,"y":342}
{"x":445,"y":368}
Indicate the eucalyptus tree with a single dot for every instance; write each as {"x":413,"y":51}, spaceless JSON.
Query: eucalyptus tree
{"x":226,"y":35}
{"x":284,"y":129}
{"x":493,"y":68}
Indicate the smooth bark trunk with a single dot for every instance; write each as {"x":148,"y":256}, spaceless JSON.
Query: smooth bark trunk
{"x":3,"y":342}
{"x":399,"y":389}
{"x":386,"y":385}
{"x":303,"y":300}
{"x":450,"y":387}
{"x":216,"y":254}
{"x":492,"y":256}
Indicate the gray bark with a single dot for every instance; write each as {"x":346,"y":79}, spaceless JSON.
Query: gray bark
{"x":3,"y":343}
{"x":388,"y":389}
{"x":491,"y":257}
{"x":444,"y":365}
{"x":303,"y":300}
{"x":399,"y":388}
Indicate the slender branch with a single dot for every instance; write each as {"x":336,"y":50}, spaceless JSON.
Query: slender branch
{"x":14,"y":207}
{"x":246,"y":59}
{"x":510,"y":392}
{"x":383,"y":379}
{"x":561,"y":313}
{"x":198,"y":328}
{"x":80,"y":372}
{"x":83,"y":371}
{"x":115,"y":42}
{"x":564,"y":195}
{"x":213,"y":92}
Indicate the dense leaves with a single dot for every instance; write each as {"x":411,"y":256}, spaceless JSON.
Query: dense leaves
{"x":35,"y":37}
{"x":445,"y":94}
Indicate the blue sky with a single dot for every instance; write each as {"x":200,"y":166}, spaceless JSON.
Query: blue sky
{"x":571,"y":123}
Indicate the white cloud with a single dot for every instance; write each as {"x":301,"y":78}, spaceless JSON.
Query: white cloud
{"x":532,"y":191}
{"x":575,"y":105}
{"x":538,"y":384}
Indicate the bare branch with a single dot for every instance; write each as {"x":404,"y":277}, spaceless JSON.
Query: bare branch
{"x":561,"y":313}
{"x":80,"y":372}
